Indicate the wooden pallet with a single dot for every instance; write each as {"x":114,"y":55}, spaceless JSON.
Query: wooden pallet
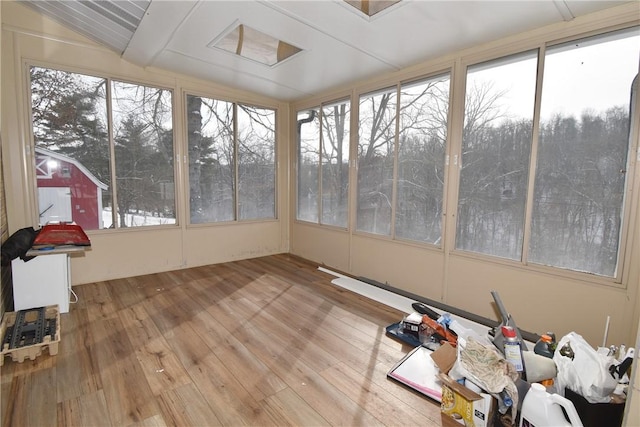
{"x":26,"y":333}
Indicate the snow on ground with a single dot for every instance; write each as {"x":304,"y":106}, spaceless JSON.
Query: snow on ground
{"x":136,"y":220}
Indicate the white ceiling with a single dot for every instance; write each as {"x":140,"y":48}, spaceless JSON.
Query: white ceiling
{"x":340,"y":45}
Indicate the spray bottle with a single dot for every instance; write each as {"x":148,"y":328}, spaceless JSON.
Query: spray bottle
{"x":513,"y":350}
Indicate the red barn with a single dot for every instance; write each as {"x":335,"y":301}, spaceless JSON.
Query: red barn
{"x":67,"y":191}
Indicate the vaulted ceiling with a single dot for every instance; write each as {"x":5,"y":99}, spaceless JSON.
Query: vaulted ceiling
{"x":339,"y":44}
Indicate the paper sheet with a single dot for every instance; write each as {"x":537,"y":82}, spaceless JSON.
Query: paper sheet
{"x":418,"y":371}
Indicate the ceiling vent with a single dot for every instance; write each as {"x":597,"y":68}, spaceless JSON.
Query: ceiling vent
{"x":255,"y":45}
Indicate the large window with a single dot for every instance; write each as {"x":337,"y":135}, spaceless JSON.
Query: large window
{"x":231,"y":161}
{"x":335,"y":163}
{"x":376,"y":150}
{"x":422,"y":141}
{"x":256,"y":159}
{"x":583,"y":152}
{"x":581,"y":155}
{"x":401,"y":158}
{"x":323,"y":164}
{"x":496,"y":147}
{"x":308,"y":132}
{"x":76,"y":163}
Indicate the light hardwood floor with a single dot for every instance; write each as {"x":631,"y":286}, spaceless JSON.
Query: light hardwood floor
{"x":262,"y":342}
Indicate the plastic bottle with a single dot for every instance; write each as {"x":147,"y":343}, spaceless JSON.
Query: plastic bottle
{"x":513,"y":350}
{"x":544,"y":346}
{"x":541,"y":409}
{"x":504,"y":402}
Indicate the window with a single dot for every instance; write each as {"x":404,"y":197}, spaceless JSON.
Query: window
{"x":323,"y":164}
{"x":581,"y":175}
{"x":581,"y":155}
{"x":75,"y":161}
{"x":256,"y":162}
{"x":401,"y":160}
{"x":231,"y":161}
{"x":496,"y":147}
{"x":308,"y":128}
{"x":421,"y":153}
{"x":376,"y":140}
{"x":335,"y":163}
{"x":143,"y":148}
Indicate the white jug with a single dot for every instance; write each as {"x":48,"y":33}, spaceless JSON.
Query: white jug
{"x":541,"y":409}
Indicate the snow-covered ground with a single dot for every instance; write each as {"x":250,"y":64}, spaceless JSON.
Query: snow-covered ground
{"x":135,"y":220}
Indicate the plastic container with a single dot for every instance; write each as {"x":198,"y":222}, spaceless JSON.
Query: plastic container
{"x":512,"y":349}
{"x":541,"y":409}
{"x":545,"y":346}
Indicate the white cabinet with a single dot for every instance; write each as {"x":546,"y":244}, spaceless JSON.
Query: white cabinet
{"x":41,"y":281}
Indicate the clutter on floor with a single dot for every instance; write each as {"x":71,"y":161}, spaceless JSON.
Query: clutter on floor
{"x":26,"y":333}
{"x":494,"y":380}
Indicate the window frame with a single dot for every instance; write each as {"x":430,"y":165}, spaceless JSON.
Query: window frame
{"x":630,"y":201}
{"x":109,"y":80}
{"x":481,"y":65}
{"x":440,"y":244}
{"x":186,"y":92}
{"x":320,"y":108}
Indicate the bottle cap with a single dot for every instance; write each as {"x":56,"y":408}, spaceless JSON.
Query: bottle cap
{"x":508,"y":332}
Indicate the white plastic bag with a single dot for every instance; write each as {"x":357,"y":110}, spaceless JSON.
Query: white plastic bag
{"x":587,"y":373}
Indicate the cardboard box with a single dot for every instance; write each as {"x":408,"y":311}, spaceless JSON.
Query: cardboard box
{"x":444,"y":357}
{"x":465,"y":406}
{"x":459,"y":404}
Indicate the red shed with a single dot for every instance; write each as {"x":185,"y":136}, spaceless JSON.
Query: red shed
{"x":67,"y":191}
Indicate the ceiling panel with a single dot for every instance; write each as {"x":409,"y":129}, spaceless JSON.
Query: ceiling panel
{"x":111,"y":23}
{"x":340,"y":44}
{"x":307,"y":72}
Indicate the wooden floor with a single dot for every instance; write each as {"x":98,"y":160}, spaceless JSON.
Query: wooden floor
{"x":262,"y":342}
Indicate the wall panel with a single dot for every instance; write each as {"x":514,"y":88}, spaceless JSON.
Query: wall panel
{"x":411,"y":268}
{"x":323,"y":245}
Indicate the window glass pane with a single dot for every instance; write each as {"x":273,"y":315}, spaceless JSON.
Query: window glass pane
{"x":143,"y":138}
{"x":582,"y":155}
{"x":211,"y":160}
{"x":496,"y":148}
{"x":335,"y":163}
{"x":256,"y":162}
{"x":422,"y":140}
{"x":376,"y":136}
{"x":308,"y":164}
{"x":71,"y":148}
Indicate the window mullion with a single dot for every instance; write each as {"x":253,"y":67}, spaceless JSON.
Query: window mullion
{"x":236,"y":177}
{"x":320,"y":154}
{"x":631,"y":204}
{"x":394,"y":187}
{"x":533,"y":158}
{"x":453,"y":161}
{"x":112,"y":156}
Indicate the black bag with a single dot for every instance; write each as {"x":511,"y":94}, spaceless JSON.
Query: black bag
{"x":18,"y":244}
